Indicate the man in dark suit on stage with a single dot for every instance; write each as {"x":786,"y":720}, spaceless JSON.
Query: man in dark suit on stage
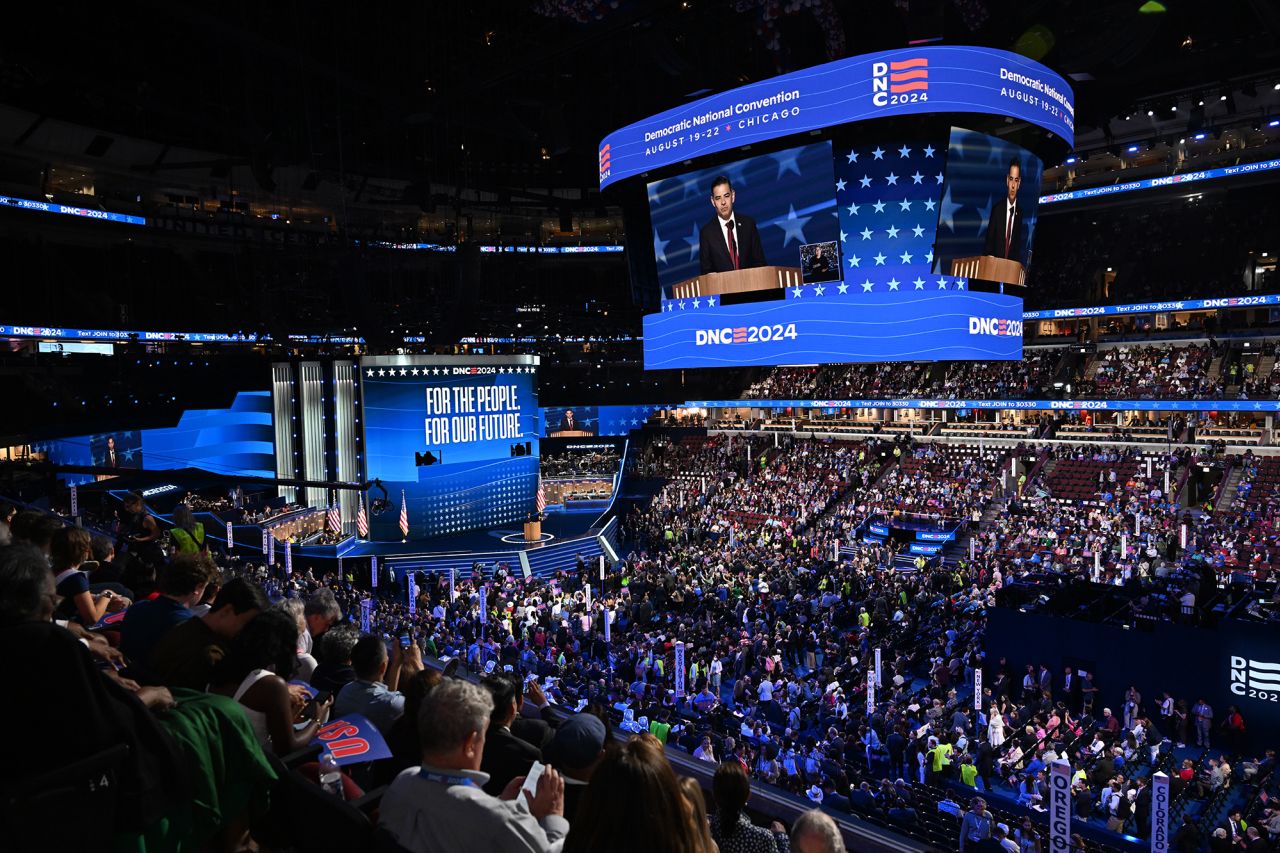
{"x":1006,"y":232}
{"x":729,"y":241}
{"x":110,"y":458}
{"x":568,"y":423}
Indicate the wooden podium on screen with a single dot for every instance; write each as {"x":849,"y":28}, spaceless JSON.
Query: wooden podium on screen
{"x":571,"y":433}
{"x":737,"y":281}
{"x":533,"y":531}
{"x":989,"y":268}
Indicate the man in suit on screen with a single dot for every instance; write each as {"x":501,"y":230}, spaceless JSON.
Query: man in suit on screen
{"x":730,"y":241}
{"x":1006,"y":230}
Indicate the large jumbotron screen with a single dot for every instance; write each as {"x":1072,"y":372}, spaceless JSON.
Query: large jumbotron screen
{"x":458,"y":435}
{"x":903,"y":233}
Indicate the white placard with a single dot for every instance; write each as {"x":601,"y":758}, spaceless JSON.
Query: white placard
{"x":1159,"y":813}
{"x":271,"y":550}
{"x":231,"y":537}
{"x":265,"y":537}
{"x":75,"y":502}
{"x":871,"y":692}
{"x":1059,"y":807}
{"x":879,"y":680}
{"x":977,"y":689}
{"x":288,"y":557}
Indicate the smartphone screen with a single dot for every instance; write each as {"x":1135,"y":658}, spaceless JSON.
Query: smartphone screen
{"x":531,"y":781}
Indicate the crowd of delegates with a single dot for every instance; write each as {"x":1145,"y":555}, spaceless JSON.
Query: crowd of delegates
{"x":596,"y":463}
{"x":779,"y":644}
{"x":1123,"y":372}
{"x":1154,"y":373}
{"x":1184,"y":249}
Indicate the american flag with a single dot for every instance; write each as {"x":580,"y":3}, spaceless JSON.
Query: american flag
{"x":335,"y":516}
{"x":540,"y":502}
{"x":404,"y":515}
{"x":362,"y":520}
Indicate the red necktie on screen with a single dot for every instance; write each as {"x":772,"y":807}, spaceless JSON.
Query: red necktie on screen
{"x":1008,"y":231}
{"x":733,"y":244}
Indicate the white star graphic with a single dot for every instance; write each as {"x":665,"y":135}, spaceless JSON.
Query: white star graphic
{"x":919,"y":283}
{"x":865,"y":181}
{"x":959,"y":284}
{"x":369,"y":372}
{"x":659,"y":247}
{"x":892,"y":231}
{"x":879,"y":259}
{"x":711,"y":302}
{"x":917,"y":178}
{"x":893,"y":284}
{"x":844,"y":288}
{"x":866,"y":286}
{"x":819,"y":290}
{"x":930,"y":204}
{"x":843,"y":236}
{"x":697,"y":303}
{"x":892,"y":179}
{"x":879,"y":206}
{"x":414,"y":372}
{"x":866,"y":233}
{"x":382,"y":372}
{"x":852,"y":158}
{"x":904,"y":151}
{"x":840,"y":185}
{"x":928,"y":256}
{"x":793,"y":226}
{"x":939,"y":177}
{"x":798,"y":291}
{"x":904,"y":205}
{"x":853,"y":210}
{"x":917,"y":231}
{"x":854,"y":261}
{"x":906,"y":257}
{"x":878,"y":153}
{"x":942,"y":284}
{"x":928,"y":151}
{"x":681,"y":304}
{"x":404,"y":371}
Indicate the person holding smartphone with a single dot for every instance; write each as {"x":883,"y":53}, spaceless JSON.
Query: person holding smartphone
{"x":378,"y":673}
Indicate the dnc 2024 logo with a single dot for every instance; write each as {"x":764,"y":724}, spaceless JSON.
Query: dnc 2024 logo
{"x":1255,"y":679}
{"x":903,"y":82}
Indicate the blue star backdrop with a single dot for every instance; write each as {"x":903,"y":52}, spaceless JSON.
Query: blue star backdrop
{"x":888,"y":194}
{"x":976,"y":168}
{"x":788,"y":193}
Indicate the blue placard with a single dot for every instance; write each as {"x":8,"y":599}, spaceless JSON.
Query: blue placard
{"x":867,"y":326}
{"x":878,"y":529}
{"x":352,"y":740}
{"x":910,"y":81}
{"x":925,"y":550}
{"x":925,"y":536}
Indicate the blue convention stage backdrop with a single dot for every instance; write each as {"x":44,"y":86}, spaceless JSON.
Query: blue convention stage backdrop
{"x":788,"y":193}
{"x":236,"y":440}
{"x":478,"y":418}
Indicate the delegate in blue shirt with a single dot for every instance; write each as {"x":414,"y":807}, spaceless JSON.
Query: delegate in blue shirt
{"x":146,"y":622}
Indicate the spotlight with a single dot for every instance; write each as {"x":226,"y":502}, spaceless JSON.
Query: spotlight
{"x":1132,"y":149}
{"x":1198,"y":137}
{"x":1071,"y":160}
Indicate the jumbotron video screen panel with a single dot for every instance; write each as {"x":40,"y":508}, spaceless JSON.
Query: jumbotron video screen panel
{"x":893,"y":238}
{"x":459,"y":436}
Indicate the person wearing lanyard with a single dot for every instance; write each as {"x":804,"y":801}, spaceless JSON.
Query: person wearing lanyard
{"x":441,"y":805}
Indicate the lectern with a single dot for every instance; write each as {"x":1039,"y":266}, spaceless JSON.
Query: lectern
{"x":738,"y":281}
{"x":989,"y":268}
{"x":533,"y":531}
